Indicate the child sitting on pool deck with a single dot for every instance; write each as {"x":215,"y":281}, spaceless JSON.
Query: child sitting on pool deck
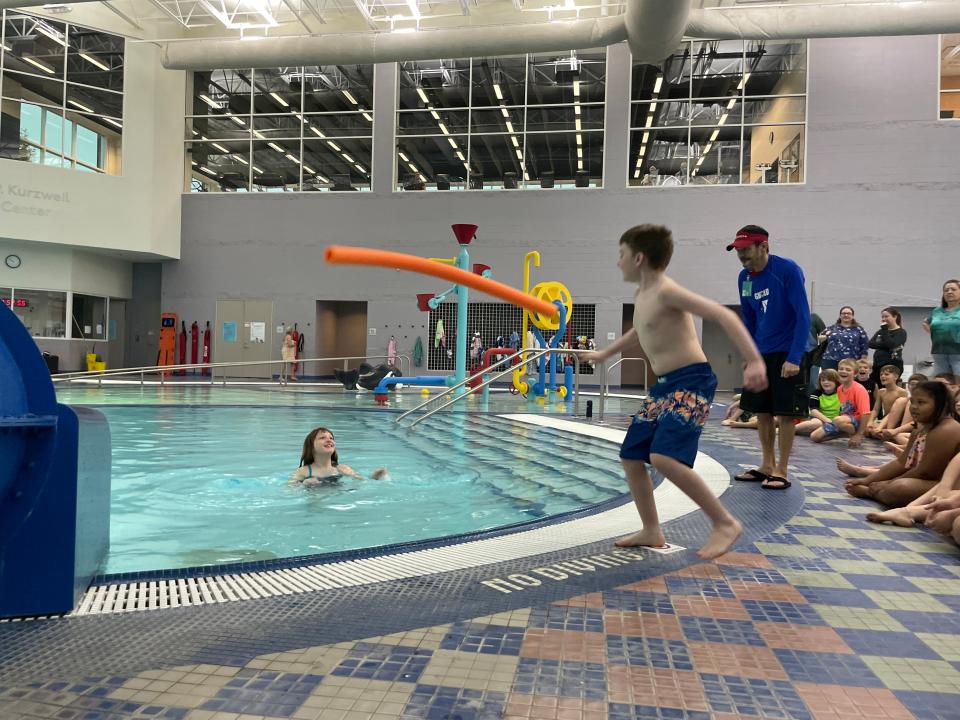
{"x":319,"y":464}
{"x":666,"y":431}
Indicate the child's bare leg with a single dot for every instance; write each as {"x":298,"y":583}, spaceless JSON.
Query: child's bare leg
{"x":956,"y":530}
{"x":896,"y":413}
{"x":903,"y":516}
{"x":641,"y":488}
{"x":916,"y":511}
{"x":900,"y":492}
{"x":726,"y":528}
{"x":808,"y":426}
{"x":853,"y":470}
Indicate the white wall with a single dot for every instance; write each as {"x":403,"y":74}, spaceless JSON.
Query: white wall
{"x":137,"y":212}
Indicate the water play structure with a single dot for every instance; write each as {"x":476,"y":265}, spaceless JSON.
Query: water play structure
{"x":547,"y":306}
{"x":54,"y":485}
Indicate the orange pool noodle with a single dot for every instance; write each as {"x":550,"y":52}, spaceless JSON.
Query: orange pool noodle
{"x":343,"y":255}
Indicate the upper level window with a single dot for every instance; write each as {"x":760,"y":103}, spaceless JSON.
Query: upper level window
{"x":276,"y":129}
{"x":720,"y":112}
{"x":62,"y":94}
{"x":950,"y":77}
{"x":502,"y":122}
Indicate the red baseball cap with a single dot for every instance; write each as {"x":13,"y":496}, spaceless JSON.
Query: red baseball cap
{"x":745,"y":238}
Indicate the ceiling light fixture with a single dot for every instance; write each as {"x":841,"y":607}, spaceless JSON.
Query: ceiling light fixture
{"x":436,"y":115}
{"x":414,"y":10}
{"x":309,"y":170}
{"x":293,"y":158}
{"x":657,"y":85}
{"x":443,"y":129}
{"x":497,"y":92}
{"x":250,"y":7}
{"x":316,"y":132}
{"x":367,"y":116}
{"x":80,"y":105}
{"x":237,"y":120}
{"x":423,"y":95}
{"x":55,"y":35}
{"x":506,"y":113}
{"x":348,"y":96}
{"x":347,"y":158}
{"x":93,"y":61}
{"x":403,"y":156}
{"x":221,"y":148}
{"x":36,"y":63}
{"x":513,"y":139}
{"x":209,"y":101}
{"x":453,"y":143}
{"x":333,"y":145}
{"x":113,"y":122}
{"x":509,"y":126}
{"x":361,"y":169}
{"x":576,"y":88}
{"x":256,"y":169}
{"x":277,"y":148}
{"x":279,"y":99}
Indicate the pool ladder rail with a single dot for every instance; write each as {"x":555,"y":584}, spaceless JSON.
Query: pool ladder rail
{"x":532,"y":356}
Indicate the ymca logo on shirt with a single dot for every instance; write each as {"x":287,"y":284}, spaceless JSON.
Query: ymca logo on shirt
{"x":763,"y":297}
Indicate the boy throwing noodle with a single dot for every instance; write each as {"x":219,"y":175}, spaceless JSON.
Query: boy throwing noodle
{"x":666,"y":431}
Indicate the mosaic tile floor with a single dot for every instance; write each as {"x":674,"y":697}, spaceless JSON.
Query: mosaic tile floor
{"x":827,"y":618}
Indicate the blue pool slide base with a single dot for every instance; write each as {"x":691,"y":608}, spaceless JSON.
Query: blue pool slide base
{"x":54,"y":485}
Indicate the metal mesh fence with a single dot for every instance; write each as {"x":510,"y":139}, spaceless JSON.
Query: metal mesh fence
{"x":498,"y":324}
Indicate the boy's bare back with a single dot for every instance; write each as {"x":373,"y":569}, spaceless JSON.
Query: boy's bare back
{"x":666,"y":333}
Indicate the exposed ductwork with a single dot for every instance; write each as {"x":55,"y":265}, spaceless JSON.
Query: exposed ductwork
{"x":653,"y":29}
{"x":861,"y":19}
{"x":357,"y":48}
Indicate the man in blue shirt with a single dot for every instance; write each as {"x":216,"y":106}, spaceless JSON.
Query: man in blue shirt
{"x":773,"y":304}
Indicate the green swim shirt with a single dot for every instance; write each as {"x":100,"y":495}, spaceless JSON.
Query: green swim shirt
{"x":830,"y":405}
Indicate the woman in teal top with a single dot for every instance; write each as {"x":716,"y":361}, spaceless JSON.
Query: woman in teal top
{"x":944,"y":328}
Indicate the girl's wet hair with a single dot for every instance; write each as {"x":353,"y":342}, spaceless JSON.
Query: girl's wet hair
{"x":306,"y":457}
{"x":943,"y":401}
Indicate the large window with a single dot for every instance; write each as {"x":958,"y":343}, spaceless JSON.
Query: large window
{"x":62,"y":94}
{"x":720,"y":112}
{"x":43,"y":312}
{"x":950,"y":77}
{"x":527,"y":121}
{"x":296,"y":128}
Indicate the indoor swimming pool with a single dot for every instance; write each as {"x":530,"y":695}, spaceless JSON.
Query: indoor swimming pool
{"x":200,"y":474}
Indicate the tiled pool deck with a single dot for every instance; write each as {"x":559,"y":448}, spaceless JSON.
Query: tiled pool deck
{"x":817,"y":614}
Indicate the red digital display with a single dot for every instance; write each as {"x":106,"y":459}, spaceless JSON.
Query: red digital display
{"x":18,"y":303}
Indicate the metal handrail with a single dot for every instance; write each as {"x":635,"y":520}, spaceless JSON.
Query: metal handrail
{"x":164,"y":370}
{"x":461,"y":384}
{"x":606,"y":386}
{"x":537,"y":354}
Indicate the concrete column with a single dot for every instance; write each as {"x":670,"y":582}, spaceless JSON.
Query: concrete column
{"x":616,"y":137}
{"x":384,"y":126}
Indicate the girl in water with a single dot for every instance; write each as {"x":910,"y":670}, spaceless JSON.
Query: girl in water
{"x":319,"y":464}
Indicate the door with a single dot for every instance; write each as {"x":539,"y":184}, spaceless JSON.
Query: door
{"x":341,"y":332}
{"x":243,"y":334}
{"x":721,"y":353}
{"x":631,"y":371}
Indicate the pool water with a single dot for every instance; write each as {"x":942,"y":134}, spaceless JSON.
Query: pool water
{"x":204,"y":484}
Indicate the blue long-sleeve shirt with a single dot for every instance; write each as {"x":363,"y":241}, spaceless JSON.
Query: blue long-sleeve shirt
{"x":774,"y":308}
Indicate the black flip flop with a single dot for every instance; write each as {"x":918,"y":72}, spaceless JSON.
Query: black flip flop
{"x":751,"y":476}
{"x":783,"y":483}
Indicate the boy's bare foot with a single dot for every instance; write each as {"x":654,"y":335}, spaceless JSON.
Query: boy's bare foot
{"x":859,"y":490}
{"x":898,"y":516}
{"x":721,"y":540}
{"x":849,"y":468}
{"x":893,"y":447}
{"x":644,"y":538}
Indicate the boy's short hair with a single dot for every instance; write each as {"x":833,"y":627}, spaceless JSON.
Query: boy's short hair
{"x":917,"y":377}
{"x":891,"y":369}
{"x":654,"y":241}
{"x":829,"y":374}
{"x":865,"y":361}
{"x":848,"y":361}
{"x":948,"y":377}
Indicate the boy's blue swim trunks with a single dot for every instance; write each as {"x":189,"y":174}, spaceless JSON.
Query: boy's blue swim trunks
{"x":673,"y":416}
